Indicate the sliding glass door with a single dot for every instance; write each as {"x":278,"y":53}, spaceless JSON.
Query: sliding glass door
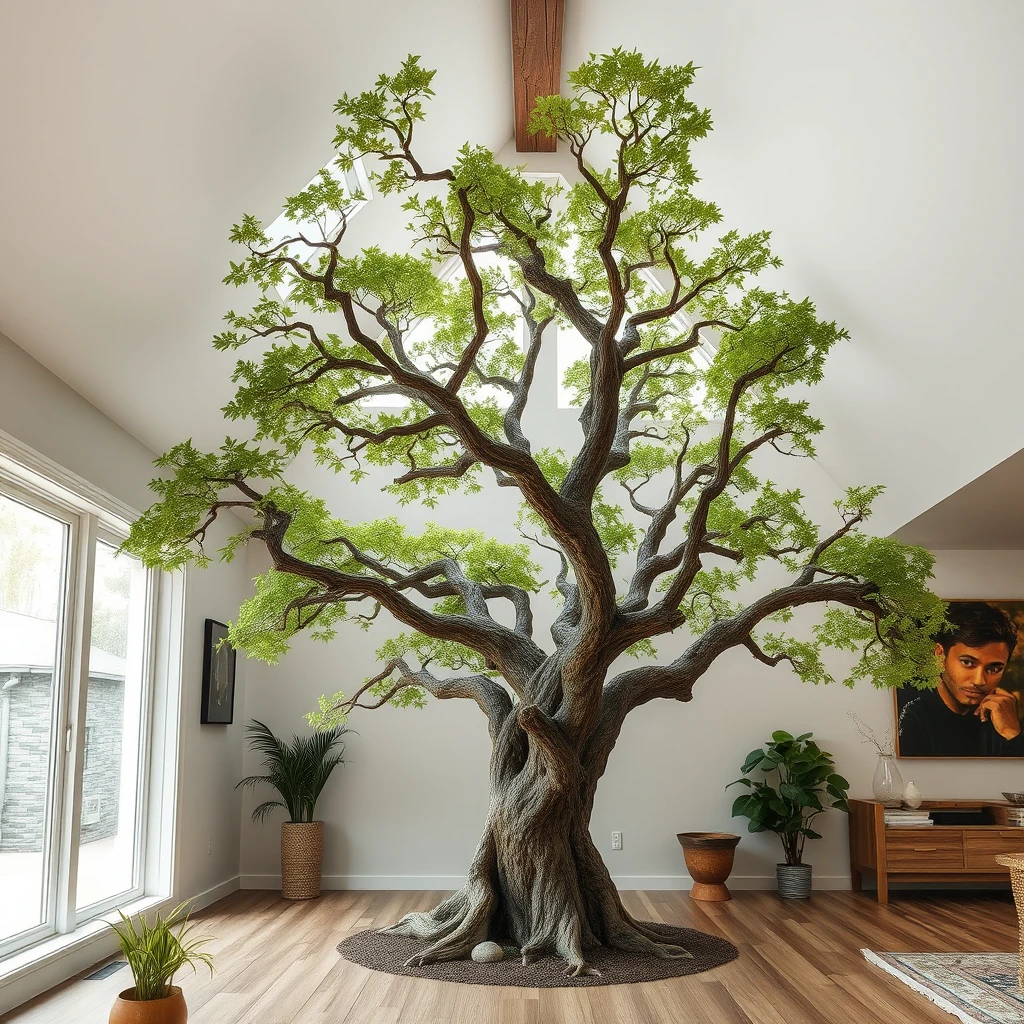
{"x":35,"y":546}
{"x":109,"y":822}
{"x":76,"y":621}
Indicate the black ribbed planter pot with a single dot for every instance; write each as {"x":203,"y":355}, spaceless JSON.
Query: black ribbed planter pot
{"x":794,"y":881}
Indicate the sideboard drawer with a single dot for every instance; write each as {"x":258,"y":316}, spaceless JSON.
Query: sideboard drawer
{"x":981,"y":848}
{"x":924,"y":850}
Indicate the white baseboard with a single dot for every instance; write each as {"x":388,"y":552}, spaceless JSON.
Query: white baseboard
{"x":683,"y":883}
{"x":677,"y":883}
{"x":218,"y":892}
{"x":399,"y":882}
{"x":35,"y":971}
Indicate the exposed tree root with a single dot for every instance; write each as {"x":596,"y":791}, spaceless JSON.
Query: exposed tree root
{"x":537,"y":879}
{"x":468,"y":917}
{"x":462,"y":921}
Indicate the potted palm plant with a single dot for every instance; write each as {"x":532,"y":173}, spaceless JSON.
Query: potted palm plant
{"x":298,"y":771}
{"x":807,"y":785}
{"x":155,"y":953}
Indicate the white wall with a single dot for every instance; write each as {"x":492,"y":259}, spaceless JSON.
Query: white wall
{"x":408,"y":808}
{"x":405,"y":812}
{"x":41,"y":411}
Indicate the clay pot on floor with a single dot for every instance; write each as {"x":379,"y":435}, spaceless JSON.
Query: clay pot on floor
{"x":129,"y":1010}
{"x":709,"y":857}
{"x":302,"y":855}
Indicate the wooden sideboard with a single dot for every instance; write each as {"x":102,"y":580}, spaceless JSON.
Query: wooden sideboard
{"x":936,"y":853}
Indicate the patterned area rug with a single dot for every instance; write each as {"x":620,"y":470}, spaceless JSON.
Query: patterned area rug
{"x":381,"y":951}
{"x":977,"y":988}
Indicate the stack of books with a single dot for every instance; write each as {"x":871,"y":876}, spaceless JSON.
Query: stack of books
{"x":896,"y":817}
{"x":1015,"y":816}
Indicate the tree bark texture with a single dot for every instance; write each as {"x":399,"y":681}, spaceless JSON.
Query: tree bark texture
{"x":537,"y":880}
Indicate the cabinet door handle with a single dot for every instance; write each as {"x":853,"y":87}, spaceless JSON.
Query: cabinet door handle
{"x":925,"y":849}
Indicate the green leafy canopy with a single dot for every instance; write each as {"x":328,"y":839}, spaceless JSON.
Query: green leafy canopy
{"x":424,"y":365}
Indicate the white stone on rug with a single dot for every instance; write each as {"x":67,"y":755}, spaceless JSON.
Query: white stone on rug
{"x":487,"y":953}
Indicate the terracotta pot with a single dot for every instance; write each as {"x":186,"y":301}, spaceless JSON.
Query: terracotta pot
{"x":302,"y":855}
{"x":709,"y":857}
{"x":169,"y":1010}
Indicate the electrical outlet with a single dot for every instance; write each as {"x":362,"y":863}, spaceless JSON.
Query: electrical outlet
{"x":209,"y":845}
{"x":616,"y":840}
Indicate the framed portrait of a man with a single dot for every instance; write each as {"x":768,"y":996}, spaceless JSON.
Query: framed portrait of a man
{"x":978,"y":706}
{"x":218,"y":705}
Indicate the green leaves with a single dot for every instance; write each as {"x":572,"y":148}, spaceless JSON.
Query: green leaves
{"x":622,"y":95}
{"x":752,"y":761}
{"x":422,"y":362}
{"x":298,"y":770}
{"x":155,"y":953}
{"x":396,"y":100}
{"x":172,"y":532}
{"x":806,"y":786}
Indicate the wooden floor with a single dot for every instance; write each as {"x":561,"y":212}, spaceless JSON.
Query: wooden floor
{"x":800,"y":963}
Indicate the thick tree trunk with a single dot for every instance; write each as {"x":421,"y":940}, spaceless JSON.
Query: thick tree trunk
{"x":537,"y":880}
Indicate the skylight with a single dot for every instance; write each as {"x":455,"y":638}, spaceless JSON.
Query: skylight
{"x":571,"y":346}
{"x":452,"y":273}
{"x":355,"y":184}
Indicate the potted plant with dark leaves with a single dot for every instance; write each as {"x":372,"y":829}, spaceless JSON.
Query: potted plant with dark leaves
{"x":807,"y":786}
{"x":155,"y":953}
{"x":298,"y":771}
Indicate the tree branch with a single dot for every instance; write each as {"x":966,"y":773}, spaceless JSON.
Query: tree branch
{"x":489,"y":695}
{"x":516,"y":656}
{"x":474,"y":595}
{"x":552,"y":745}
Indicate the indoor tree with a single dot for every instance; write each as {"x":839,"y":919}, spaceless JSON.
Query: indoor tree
{"x":622,"y":255}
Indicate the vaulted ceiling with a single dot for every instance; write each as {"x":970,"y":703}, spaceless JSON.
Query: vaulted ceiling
{"x":880,"y":142}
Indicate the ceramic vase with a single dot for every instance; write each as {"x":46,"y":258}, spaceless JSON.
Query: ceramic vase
{"x":887,"y":785}
{"x":129,"y":1010}
{"x":912,"y":796}
{"x":709,"y":857}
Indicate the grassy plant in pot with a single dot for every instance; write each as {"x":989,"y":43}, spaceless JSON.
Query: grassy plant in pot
{"x":298,"y":771}
{"x":807,"y":786}
{"x":155,"y":953}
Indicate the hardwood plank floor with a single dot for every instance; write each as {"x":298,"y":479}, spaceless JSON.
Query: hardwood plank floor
{"x":800,"y":963}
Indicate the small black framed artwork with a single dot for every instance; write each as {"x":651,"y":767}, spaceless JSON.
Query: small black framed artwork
{"x":218,"y":707}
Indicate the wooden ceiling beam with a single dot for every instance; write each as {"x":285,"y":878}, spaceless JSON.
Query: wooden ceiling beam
{"x":536,"y":65}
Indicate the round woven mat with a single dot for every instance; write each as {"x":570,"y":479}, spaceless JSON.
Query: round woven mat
{"x":381,"y":951}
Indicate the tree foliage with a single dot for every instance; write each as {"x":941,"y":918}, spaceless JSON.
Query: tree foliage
{"x":627,"y":256}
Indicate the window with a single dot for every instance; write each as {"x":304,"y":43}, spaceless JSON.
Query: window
{"x":421,"y":331}
{"x":76,"y":650}
{"x":569,"y":344}
{"x":354,"y":183}
{"x":572,"y":347}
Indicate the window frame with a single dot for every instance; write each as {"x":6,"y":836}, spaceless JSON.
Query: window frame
{"x":92,"y":517}
{"x":104,"y":535}
{"x":57,"y":768}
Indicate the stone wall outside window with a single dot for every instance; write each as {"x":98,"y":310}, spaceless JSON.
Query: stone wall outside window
{"x":28,"y":761}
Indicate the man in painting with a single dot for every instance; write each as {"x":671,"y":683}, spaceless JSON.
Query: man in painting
{"x":968,"y":714}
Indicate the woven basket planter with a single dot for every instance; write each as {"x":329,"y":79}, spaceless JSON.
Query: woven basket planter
{"x":302,"y":856}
